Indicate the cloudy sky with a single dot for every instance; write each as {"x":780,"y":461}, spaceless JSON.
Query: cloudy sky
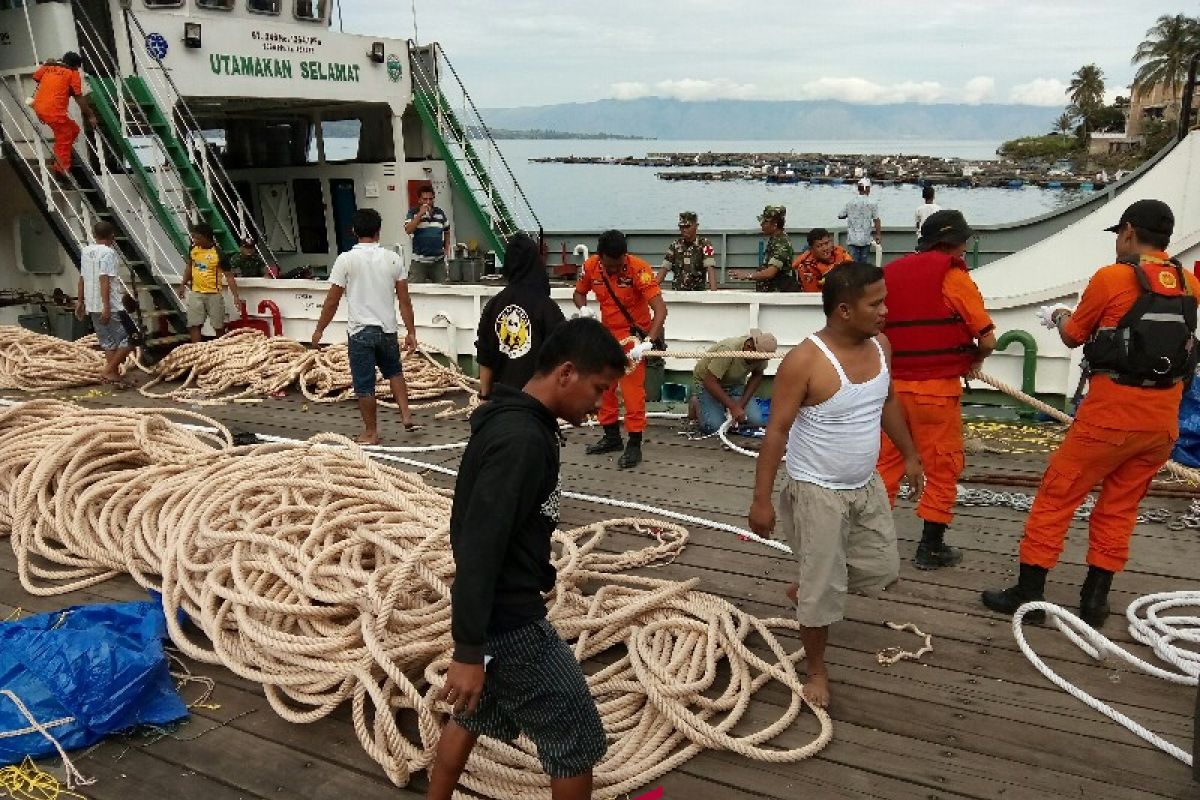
{"x":535,"y":52}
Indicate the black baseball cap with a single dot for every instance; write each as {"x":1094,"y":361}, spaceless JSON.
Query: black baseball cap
{"x":1150,"y":215}
{"x":948,"y":226}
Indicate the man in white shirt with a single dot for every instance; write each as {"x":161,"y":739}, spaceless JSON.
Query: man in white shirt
{"x":926,"y":209}
{"x":373,"y":280}
{"x":100,"y":296}
{"x":862,"y":224}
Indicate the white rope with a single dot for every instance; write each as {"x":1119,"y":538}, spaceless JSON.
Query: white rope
{"x":74,"y":776}
{"x":1155,"y":631}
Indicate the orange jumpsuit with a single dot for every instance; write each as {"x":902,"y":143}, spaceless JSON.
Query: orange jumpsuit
{"x":1121,"y":437}
{"x":934,"y":414}
{"x":634,"y":285}
{"x":51,"y":102}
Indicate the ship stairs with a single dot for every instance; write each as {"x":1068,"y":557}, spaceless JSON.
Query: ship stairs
{"x":477,"y":168}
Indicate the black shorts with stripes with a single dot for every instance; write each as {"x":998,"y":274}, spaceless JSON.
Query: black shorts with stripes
{"x":534,"y":685}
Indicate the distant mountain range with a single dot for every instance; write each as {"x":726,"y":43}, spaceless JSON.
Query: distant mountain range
{"x":663,"y":118}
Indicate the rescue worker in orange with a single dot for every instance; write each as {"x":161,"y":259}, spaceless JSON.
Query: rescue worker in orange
{"x":57,"y":83}
{"x":821,"y":256}
{"x":625,"y":286}
{"x":939,"y":332}
{"x":1136,"y":321}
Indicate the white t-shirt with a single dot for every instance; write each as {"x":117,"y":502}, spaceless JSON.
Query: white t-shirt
{"x":96,"y":260}
{"x":924,"y":211}
{"x":369,"y":273}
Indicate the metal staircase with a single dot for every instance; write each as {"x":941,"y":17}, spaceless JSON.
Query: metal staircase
{"x":476,"y":166}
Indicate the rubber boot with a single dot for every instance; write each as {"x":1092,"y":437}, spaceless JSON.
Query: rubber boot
{"x":610,"y":442}
{"x":1031,"y":586}
{"x":633,"y":452}
{"x":1093,"y":598}
{"x":933,"y":552}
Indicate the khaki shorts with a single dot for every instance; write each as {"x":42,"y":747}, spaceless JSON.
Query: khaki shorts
{"x":845,"y":541}
{"x":206,"y":305}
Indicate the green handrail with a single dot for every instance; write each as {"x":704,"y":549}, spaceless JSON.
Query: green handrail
{"x":1029,"y":365}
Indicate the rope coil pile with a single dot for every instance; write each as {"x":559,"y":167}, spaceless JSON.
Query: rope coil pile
{"x":34,"y":362}
{"x":324,"y":575}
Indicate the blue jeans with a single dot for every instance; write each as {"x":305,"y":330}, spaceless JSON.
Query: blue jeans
{"x":861,"y":252}
{"x":712,"y":411}
{"x":371,"y":348}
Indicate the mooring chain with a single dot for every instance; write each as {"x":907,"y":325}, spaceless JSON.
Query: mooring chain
{"x":1019,"y":501}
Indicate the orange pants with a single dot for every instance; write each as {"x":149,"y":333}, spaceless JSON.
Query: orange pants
{"x":1124,"y":463}
{"x":633,"y":392}
{"x":66,"y":131}
{"x":936,"y":427}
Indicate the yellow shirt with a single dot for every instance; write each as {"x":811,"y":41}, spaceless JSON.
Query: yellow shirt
{"x":207,"y":264}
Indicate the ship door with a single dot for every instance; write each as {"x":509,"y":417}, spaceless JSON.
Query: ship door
{"x":278,"y":217}
{"x":341,"y":194}
{"x":97,"y":40}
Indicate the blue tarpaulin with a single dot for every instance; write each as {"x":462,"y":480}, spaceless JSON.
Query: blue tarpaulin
{"x":1187,"y":449}
{"x":87,"y":671}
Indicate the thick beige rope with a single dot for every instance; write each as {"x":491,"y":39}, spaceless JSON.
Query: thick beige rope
{"x":34,"y":362}
{"x":1174,"y":467}
{"x":325,"y":576}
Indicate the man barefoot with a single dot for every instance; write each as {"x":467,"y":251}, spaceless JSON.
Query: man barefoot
{"x":832,"y":396}
{"x":374,"y":281}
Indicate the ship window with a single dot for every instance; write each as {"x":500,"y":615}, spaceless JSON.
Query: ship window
{"x":218,"y":5}
{"x":362,"y":135}
{"x":314,"y":10}
{"x":162,"y":3}
{"x":263,"y":6}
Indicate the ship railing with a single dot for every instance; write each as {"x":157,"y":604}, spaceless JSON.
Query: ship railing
{"x":467,"y":135}
{"x":24,"y":132}
{"x":184,"y":129}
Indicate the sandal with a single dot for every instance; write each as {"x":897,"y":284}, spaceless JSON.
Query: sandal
{"x":412,"y":427}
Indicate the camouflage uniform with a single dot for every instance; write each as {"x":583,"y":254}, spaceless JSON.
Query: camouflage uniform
{"x":690,"y":263}
{"x":778,"y":253}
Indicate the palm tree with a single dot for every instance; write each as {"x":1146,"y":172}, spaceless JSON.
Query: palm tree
{"x":1086,"y":91}
{"x":1165,"y":53}
{"x":1063,"y":123}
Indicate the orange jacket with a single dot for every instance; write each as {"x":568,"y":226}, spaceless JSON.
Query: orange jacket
{"x":634,"y":285}
{"x":810,"y":271}
{"x":56,"y":85}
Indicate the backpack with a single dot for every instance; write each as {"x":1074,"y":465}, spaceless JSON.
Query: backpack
{"x":1154,"y":345}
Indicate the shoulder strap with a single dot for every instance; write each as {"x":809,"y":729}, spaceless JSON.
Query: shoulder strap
{"x":633,"y":326}
{"x":837,"y":365}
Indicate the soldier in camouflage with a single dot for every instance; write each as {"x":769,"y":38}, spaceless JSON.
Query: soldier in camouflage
{"x":690,"y":258}
{"x":775,"y":273}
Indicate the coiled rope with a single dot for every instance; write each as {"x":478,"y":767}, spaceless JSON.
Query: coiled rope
{"x":325,"y":576}
{"x":34,"y":362}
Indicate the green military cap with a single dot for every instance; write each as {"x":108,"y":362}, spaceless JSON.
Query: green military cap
{"x":776,"y":213}
{"x":688,"y":218}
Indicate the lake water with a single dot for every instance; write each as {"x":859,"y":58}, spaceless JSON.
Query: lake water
{"x":595,"y":197}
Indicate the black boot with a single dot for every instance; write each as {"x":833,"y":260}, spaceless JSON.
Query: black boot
{"x":933,"y":552}
{"x":1031,"y":586}
{"x":633,"y":452}
{"x":1093,"y":598}
{"x":610,"y":442}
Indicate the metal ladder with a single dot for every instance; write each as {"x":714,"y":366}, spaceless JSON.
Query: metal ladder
{"x":476,"y":166}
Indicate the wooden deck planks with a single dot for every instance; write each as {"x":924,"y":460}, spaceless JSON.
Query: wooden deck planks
{"x":974,"y":720}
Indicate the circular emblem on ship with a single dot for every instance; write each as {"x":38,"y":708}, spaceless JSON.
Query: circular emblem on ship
{"x":395,"y":67}
{"x":1167,"y":279}
{"x":156,"y":45}
{"x":513,"y":333}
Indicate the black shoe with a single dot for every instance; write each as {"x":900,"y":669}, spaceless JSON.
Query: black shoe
{"x":631,"y":457}
{"x":1093,"y":598}
{"x":936,"y":556}
{"x":1031,"y":586}
{"x":609,"y":443}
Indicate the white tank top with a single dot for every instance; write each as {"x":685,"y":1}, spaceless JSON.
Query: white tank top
{"x":835,"y":444}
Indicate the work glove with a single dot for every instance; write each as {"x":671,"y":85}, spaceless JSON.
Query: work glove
{"x":584,"y":312}
{"x":1045,"y":314}
{"x":639,"y":350}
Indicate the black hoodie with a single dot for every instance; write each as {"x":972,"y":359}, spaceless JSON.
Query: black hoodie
{"x":505,"y":509}
{"x":517,"y":320}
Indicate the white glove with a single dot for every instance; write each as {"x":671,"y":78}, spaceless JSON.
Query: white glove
{"x":1045,"y":314}
{"x":639,"y":350}
{"x":584,"y":312}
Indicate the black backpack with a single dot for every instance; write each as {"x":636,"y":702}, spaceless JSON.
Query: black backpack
{"x":1154,"y":345}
